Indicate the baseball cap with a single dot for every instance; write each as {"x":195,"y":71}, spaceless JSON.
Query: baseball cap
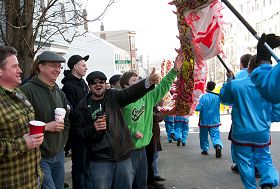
{"x":114,"y":78}
{"x":49,"y":56}
{"x":96,"y":74}
{"x":75,"y":59}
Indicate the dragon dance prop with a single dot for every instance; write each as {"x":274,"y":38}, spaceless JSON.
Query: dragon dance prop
{"x":200,"y":33}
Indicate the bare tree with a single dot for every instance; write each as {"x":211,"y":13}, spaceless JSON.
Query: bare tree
{"x":28,"y":25}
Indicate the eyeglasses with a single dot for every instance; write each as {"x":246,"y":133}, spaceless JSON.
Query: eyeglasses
{"x":55,"y":66}
{"x":94,"y":82}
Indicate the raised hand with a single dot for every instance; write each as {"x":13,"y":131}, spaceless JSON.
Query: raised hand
{"x":178,"y":62}
{"x":154,"y":78}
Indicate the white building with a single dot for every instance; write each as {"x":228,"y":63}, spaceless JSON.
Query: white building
{"x":262,"y":15}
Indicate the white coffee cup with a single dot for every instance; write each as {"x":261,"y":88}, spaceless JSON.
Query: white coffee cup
{"x":59,"y":114}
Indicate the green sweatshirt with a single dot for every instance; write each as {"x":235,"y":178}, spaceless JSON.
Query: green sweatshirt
{"x":44,"y":100}
{"x":139,"y":115}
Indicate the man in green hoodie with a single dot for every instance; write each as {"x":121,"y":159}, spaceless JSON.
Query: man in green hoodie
{"x":139,"y":117}
{"x":45,"y":96}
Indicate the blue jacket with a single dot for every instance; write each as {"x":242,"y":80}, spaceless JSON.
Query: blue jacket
{"x":251,"y":114}
{"x":209,"y":108}
{"x":267,"y":80}
{"x":242,"y":73}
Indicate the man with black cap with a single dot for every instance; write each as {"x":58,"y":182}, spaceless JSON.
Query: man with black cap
{"x":75,"y":88}
{"x":99,"y":121}
{"x":115,"y":81}
{"x":45,"y":96}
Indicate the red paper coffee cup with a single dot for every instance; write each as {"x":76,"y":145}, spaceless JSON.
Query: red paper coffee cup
{"x":36,"y":127}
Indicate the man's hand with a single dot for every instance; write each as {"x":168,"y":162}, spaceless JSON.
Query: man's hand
{"x":54,"y":126}
{"x":262,"y":52}
{"x":178,"y":62}
{"x":230,"y":75}
{"x":100,"y":125}
{"x":138,"y":135}
{"x":154,"y":78}
{"x":33,"y":141}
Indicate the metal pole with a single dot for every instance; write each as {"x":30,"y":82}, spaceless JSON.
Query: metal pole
{"x":224,"y":64}
{"x":247,"y":25}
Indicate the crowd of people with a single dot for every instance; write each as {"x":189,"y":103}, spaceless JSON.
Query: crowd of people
{"x":112,"y":132}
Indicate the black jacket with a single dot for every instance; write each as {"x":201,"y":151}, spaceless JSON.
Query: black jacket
{"x":74,"y":88}
{"x":115,"y":144}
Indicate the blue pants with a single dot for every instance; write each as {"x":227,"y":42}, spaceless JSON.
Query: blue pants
{"x":155,"y":163}
{"x":181,"y":130}
{"x":140,"y":168}
{"x":214,"y":135}
{"x":112,"y":175}
{"x":169,"y":127}
{"x":247,"y":158}
{"x":53,"y":169}
{"x":81,"y":175}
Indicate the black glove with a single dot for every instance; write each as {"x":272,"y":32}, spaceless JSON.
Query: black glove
{"x":262,"y":52}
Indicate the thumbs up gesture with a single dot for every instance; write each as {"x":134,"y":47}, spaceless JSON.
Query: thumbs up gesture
{"x":154,"y":78}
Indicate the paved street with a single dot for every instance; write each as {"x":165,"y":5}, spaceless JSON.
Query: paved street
{"x":186,"y":168}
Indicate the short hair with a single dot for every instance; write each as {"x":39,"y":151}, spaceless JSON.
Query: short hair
{"x":125,"y":78}
{"x":244,"y":60}
{"x":210,"y":85}
{"x":5,"y":52}
{"x":253,"y":63}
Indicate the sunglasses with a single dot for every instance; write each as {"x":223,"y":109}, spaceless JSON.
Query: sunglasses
{"x":94,"y":82}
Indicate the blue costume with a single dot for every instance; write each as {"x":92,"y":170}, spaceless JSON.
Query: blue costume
{"x":181,"y":127}
{"x":251,"y":120}
{"x":209,"y":120}
{"x":241,"y":73}
{"x":266,"y":78}
{"x":169,"y":126}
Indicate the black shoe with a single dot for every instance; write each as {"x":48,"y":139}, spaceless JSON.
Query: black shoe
{"x":170,"y":141}
{"x":266,"y":186}
{"x":218,"y":151}
{"x":159,"y":178}
{"x":204,"y":153}
{"x":179,"y":142}
{"x":234,"y":169}
{"x":66,"y":186}
{"x":156,"y":185}
{"x":68,"y":153}
{"x":183,"y":144}
{"x":172,"y":135}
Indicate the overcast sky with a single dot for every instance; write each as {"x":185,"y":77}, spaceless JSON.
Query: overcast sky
{"x":153,"y":20}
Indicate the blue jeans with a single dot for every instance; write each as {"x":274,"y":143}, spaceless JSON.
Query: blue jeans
{"x":140,"y":168}
{"x":155,"y":163}
{"x":112,"y":175}
{"x":53,"y":169}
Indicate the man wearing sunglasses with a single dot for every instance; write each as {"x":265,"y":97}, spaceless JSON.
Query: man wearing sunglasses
{"x":99,"y":121}
{"x":19,"y":151}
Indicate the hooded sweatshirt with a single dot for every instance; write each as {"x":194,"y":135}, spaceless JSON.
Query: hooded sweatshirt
{"x":44,"y":100}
